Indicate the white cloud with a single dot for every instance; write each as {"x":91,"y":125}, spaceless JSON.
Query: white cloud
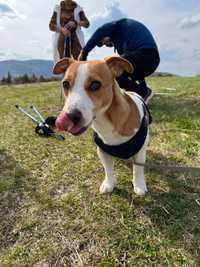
{"x":100,"y":15}
{"x":110,"y":12}
{"x":6,"y":11}
{"x":171,"y":22}
{"x":191,"y":21}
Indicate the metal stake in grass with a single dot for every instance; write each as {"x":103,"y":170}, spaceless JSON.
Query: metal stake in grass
{"x":42,"y":127}
{"x":27,"y":114}
{"x":38,"y":113}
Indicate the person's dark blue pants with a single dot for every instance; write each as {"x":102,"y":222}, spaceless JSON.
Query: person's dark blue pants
{"x":145,"y":62}
{"x":67,"y":47}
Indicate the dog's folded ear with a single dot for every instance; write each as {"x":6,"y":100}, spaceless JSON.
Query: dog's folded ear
{"x":62,"y":65}
{"x":118,"y":65}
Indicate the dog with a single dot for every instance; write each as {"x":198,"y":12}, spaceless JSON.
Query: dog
{"x":119,"y":119}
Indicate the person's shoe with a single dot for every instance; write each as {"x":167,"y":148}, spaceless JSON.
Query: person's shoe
{"x":148,"y":96}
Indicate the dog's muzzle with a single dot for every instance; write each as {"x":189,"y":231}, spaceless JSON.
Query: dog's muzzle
{"x":71,"y":122}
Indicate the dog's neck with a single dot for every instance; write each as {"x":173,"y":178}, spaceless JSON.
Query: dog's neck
{"x":120,"y":121}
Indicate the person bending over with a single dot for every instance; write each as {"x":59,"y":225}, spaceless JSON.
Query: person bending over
{"x":134,"y":42}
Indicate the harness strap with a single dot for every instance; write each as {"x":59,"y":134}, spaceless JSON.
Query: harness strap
{"x":127,"y":149}
{"x":146,"y":109}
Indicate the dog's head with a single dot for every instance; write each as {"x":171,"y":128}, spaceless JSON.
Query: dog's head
{"x":88,"y":90}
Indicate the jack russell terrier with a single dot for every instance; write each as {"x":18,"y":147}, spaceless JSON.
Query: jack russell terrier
{"x":119,"y":119}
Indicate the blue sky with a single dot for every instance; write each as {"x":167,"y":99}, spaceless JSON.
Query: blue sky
{"x":175,"y":25}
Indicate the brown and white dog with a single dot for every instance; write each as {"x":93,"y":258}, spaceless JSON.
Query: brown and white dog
{"x":93,"y":98}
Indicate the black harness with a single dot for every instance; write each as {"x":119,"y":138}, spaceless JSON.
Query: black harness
{"x":131,"y":147}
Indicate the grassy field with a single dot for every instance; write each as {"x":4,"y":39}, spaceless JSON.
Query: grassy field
{"x":51,"y":213}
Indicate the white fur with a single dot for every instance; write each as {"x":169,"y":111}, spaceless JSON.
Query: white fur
{"x":105,"y":131}
{"x":110,"y":181}
{"x":136,"y":98}
{"x":108,"y":184}
{"x":139,"y":183}
{"x":78,"y":98}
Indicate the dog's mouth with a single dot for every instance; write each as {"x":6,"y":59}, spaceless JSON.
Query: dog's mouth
{"x":77,"y":130}
{"x":63,"y":123}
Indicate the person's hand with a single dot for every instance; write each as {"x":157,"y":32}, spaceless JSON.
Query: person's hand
{"x":65,"y":31}
{"x":83,"y":56}
{"x":71,"y":25}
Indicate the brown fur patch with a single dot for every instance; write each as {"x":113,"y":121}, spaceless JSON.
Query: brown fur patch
{"x":99,"y":71}
{"x":62,"y":65}
{"x":118,"y":65}
{"x":70,"y":75}
{"x":123,"y":113}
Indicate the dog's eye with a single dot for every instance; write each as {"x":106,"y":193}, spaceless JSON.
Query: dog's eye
{"x":66,"y":85}
{"x":95,"y":85}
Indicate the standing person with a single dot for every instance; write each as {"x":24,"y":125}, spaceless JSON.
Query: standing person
{"x":67,"y":19}
{"x":134,"y":42}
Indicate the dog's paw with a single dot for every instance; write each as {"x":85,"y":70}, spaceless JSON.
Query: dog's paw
{"x":140,"y":187}
{"x":140,"y":191}
{"x":106,"y":187}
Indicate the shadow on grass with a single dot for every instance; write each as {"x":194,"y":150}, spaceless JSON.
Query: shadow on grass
{"x":14,"y":185}
{"x":172,"y":204}
{"x":177,"y":212}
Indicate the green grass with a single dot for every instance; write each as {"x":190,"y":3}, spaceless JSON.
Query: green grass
{"x":51,"y":213}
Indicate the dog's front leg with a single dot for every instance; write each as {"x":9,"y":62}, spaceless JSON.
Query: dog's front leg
{"x":139,"y":183}
{"x":109,"y":183}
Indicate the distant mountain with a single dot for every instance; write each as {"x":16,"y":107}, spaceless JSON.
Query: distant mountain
{"x":18,"y":67}
{"x":163,"y":74}
{"x":38,"y":67}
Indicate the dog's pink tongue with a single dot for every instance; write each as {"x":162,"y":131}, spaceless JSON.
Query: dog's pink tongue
{"x":63,"y":122}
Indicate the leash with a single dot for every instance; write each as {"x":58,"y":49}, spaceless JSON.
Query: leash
{"x":164,"y":167}
{"x":61,"y":94}
{"x":178,"y":130}
{"x":43,"y":127}
{"x":169,"y":167}
{"x":67,"y":47}
{"x":67,"y":53}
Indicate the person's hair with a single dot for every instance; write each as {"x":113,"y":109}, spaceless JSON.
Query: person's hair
{"x":63,"y":3}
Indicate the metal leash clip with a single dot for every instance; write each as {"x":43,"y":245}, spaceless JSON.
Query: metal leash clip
{"x":43,"y":127}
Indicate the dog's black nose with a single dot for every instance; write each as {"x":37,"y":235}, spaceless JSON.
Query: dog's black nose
{"x":75,"y":116}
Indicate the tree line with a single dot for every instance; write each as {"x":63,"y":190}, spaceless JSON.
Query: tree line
{"x":25,"y":78}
